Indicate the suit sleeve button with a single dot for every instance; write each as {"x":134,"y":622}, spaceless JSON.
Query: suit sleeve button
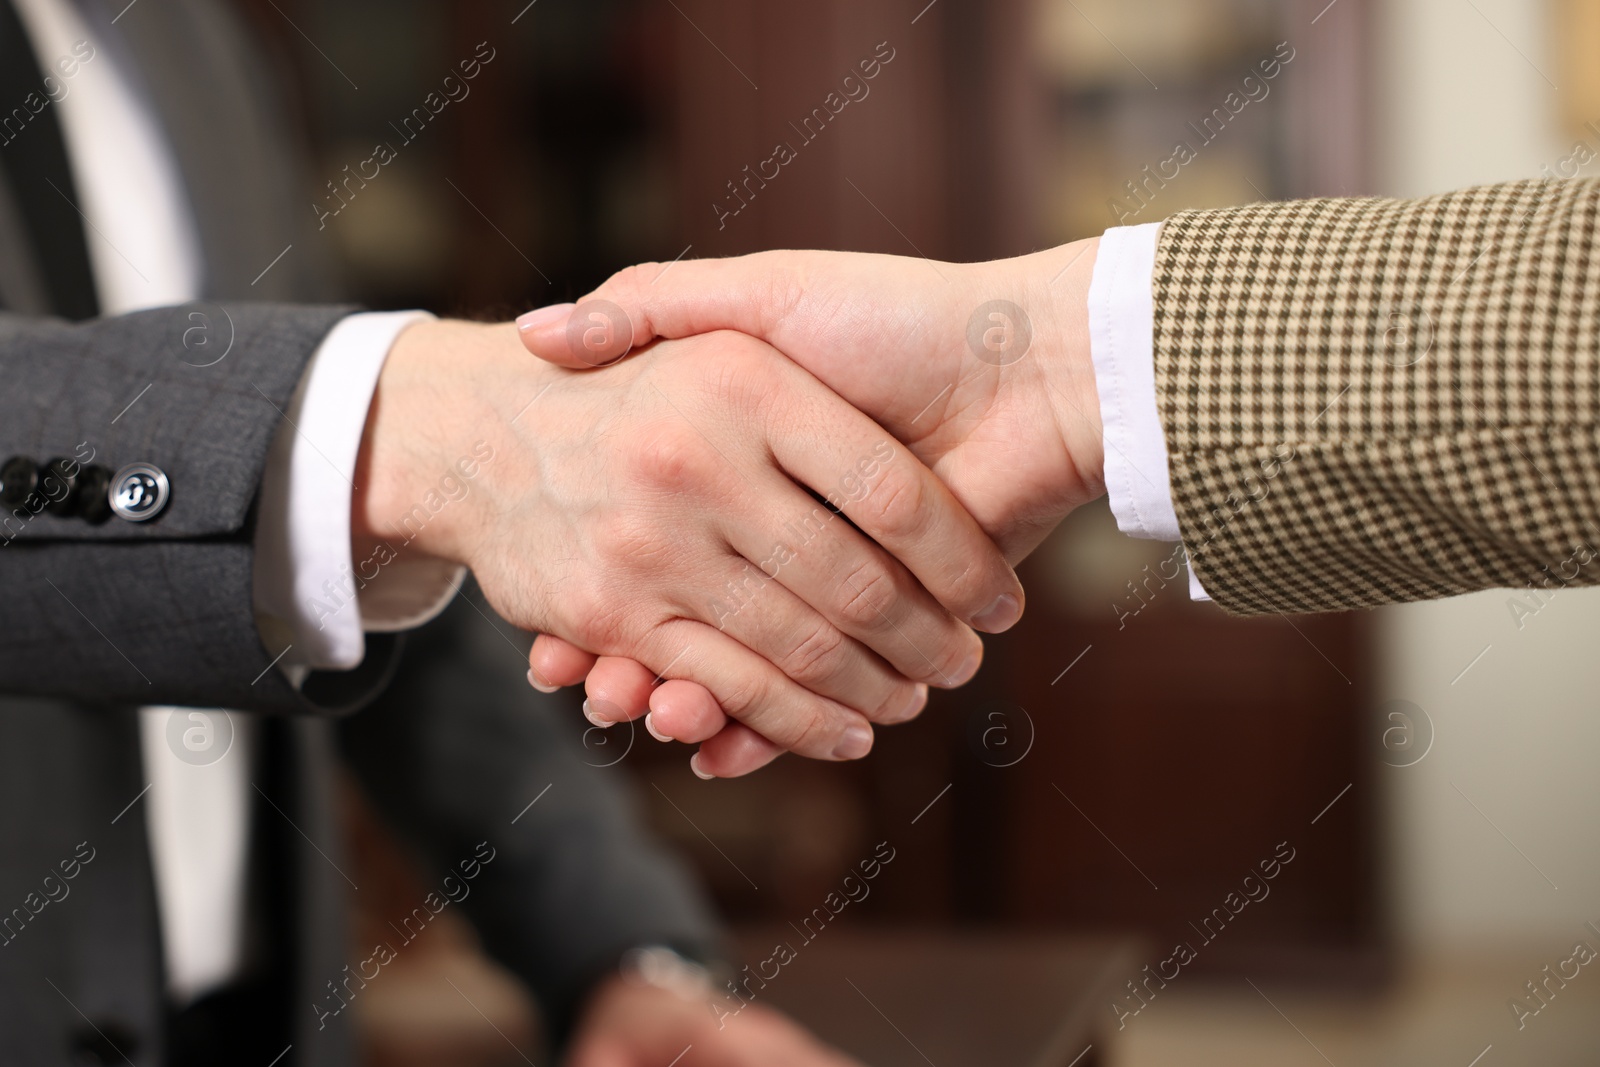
{"x":94,"y":494}
{"x":19,"y":476}
{"x":139,"y":492}
{"x":61,"y":486}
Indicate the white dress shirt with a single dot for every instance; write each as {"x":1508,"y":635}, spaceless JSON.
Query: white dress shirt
{"x":145,"y":252}
{"x":1122,"y":348}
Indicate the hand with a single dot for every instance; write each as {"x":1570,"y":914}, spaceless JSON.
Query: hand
{"x":1016,"y":434}
{"x":629,"y":1024}
{"x":660,"y":512}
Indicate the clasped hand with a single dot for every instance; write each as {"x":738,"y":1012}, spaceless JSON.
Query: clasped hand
{"x":713,"y":530}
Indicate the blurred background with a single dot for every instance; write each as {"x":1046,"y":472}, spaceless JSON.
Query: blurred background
{"x":1126,"y":758}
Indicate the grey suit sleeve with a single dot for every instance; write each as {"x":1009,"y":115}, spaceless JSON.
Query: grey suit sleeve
{"x":456,"y":749}
{"x":155,"y":612}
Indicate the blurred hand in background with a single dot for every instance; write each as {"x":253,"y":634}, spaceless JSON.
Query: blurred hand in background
{"x":631,"y":1024}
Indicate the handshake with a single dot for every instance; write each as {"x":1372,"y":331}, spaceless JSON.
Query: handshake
{"x":765,"y":502}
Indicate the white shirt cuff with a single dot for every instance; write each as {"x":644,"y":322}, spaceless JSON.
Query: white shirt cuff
{"x":1122,"y":348}
{"x":313,"y":602}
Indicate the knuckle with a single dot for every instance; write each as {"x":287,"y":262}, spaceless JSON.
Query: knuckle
{"x":623,"y":536}
{"x":582,"y":600}
{"x":868,"y":594}
{"x":817,"y":658}
{"x":892,"y":708}
{"x":786,"y":285}
{"x":896,"y":509}
{"x":597,"y":616}
{"x":744,"y":695}
{"x":629,"y":281}
{"x":739,"y":376}
{"x":752,"y":699}
{"x":971,"y":587}
{"x":951,"y":661}
{"x":671,"y":457}
{"x":811,"y":725}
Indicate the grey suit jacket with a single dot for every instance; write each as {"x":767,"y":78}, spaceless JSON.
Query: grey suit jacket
{"x":170,"y":599}
{"x":96,"y":620}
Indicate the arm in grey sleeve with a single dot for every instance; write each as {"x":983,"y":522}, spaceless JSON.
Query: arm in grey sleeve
{"x":460,"y":751}
{"x":158,"y":611}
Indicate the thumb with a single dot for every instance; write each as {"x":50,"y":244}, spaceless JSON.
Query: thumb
{"x":654,"y":301}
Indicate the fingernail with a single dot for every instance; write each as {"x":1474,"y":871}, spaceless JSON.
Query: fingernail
{"x":546,"y":316}
{"x":963,"y":674}
{"x":650,"y":728}
{"x":1000,"y":616}
{"x":533,"y":680}
{"x":913,"y":707}
{"x":594,"y":716}
{"x":857,"y":743}
{"x":694,"y":765}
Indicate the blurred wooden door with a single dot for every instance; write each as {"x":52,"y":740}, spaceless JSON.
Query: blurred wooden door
{"x":1181,"y":747}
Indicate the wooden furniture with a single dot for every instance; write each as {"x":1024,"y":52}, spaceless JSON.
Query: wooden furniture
{"x":907,"y":999}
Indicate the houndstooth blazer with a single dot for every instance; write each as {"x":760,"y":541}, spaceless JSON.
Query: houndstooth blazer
{"x":1370,"y":401}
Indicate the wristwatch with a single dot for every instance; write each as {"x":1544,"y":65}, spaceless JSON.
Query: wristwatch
{"x":667,"y":968}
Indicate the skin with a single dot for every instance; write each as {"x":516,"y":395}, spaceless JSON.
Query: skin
{"x":615,"y":510}
{"x":633,"y":1025}
{"x":1015,"y":436}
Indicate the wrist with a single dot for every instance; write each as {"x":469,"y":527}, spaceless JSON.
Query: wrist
{"x":433,"y":410}
{"x":1068,"y":367}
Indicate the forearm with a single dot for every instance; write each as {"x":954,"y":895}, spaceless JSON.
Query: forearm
{"x":1369,"y":401}
{"x":118,"y":608}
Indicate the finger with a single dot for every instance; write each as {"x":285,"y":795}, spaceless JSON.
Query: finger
{"x":553,"y":663}
{"x":853,"y":587}
{"x":696,"y":296}
{"x":735,"y":750}
{"x":762,"y":613}
{"x":617,"y":690}
{"x":959,"y":566}
{"x":904,"y":507}
{"x":749,"y":688}
{"x":684,"y":711}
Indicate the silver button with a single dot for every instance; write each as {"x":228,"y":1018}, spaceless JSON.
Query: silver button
{"x":139,"y":492}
